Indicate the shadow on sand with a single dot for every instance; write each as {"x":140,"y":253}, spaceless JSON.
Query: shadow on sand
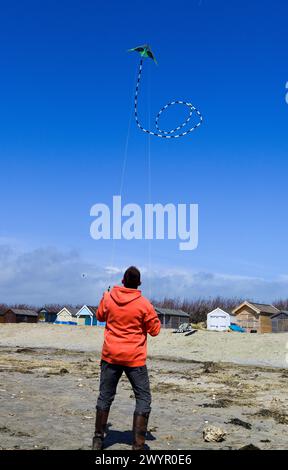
{"x":123,"y":437}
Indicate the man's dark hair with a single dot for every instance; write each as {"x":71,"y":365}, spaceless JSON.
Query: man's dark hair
{"x":131,"y":278}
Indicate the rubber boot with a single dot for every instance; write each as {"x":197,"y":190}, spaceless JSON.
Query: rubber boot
{"x":140,"y":422}
{"x":100,"y":427}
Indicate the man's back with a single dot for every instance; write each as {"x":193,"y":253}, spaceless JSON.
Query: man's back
{"x":129,"y":317}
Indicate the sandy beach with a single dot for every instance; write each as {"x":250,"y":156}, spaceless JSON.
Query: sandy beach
{"x":246,"y":349}
{"x":50,"y":376}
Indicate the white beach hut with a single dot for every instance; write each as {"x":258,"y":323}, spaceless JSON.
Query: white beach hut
{"x":67,"y":316}
{"x":218,"y":320}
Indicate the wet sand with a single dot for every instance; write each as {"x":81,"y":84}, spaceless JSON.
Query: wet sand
{"x":49,"y":378}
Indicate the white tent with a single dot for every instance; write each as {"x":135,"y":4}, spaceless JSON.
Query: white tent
{"x":218,"y":320}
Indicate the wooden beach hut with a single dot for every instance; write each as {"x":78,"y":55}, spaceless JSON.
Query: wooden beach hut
{"x":171,"y":318}
{"x":87,"y":316}
{"x":20,"y":315}
{"x":279,"y":322}
{"x":67,"y":316}
{"x":48,"y":314}
{"x":254,"y":317}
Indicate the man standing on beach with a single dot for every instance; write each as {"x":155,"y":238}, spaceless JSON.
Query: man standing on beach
{"x":129,"y":317}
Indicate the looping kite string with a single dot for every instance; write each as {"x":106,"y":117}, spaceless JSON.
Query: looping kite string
{"x":162,"y":133}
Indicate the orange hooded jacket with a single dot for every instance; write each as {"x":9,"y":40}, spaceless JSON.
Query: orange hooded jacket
{"x":129,"y":317}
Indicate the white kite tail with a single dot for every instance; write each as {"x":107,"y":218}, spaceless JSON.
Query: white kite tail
{"x":161,"y":133}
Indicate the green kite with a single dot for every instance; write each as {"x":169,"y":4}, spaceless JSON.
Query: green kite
{"x":144,"y":51}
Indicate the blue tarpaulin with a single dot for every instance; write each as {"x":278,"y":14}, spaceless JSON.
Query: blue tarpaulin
{"x":234,"y":327}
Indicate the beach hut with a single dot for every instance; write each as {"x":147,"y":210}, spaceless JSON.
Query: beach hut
{"x":2,"y":312}
{"x":48,"y":314}
{"x":218,"y":320}
{"x":171,"y":318}
{"x":279,"y":322}
{"x":87,"y":316}
{"x":254,"y":317}
{"x":67,"y":316}
{"x":20,"y":315}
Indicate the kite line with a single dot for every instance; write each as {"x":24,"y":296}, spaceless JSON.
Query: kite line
{"x":145,"y":51}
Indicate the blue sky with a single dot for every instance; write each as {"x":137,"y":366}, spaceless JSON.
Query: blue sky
{"x":66,"y":97}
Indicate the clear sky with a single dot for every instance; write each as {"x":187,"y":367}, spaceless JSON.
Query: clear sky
{"x":66,"y":97}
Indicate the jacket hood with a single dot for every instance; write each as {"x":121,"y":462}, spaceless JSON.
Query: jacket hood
{"x":123,"y":295}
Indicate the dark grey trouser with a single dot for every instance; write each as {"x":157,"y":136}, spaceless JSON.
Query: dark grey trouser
{"x":138,"y":378}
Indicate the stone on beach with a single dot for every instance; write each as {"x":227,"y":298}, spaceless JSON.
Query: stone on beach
{"x":213,"y":434}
